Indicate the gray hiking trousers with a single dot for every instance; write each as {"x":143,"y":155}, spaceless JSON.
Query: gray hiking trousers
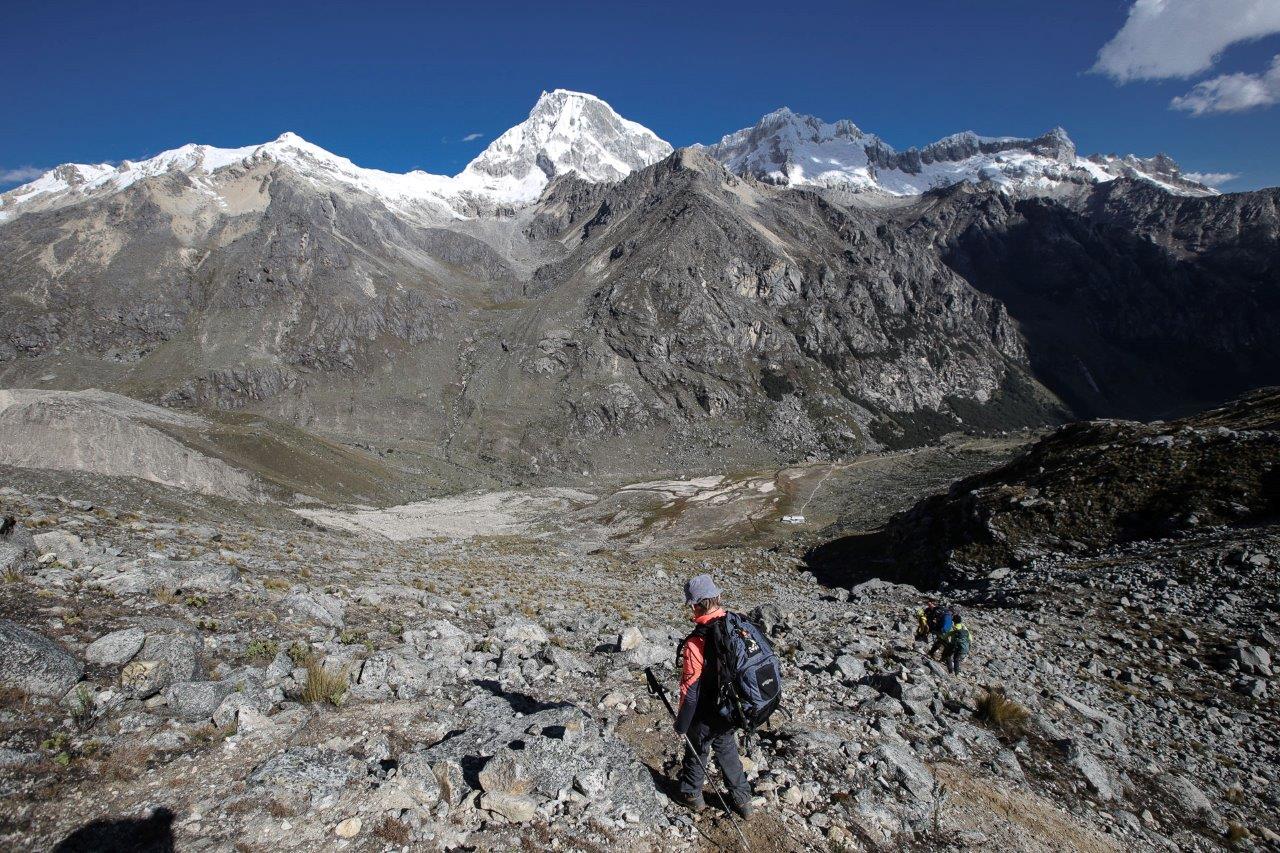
{"x":719,"y":740}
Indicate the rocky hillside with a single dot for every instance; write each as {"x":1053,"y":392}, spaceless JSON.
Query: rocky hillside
{"x":1132,"y":302}
{"x":179,"y":670}
{"x":631,"y":317}
{"x":1086,"y":488}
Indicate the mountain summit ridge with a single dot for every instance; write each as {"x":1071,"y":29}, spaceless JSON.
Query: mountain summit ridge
{"x":568,"y":131}
{"x":792,"y":149}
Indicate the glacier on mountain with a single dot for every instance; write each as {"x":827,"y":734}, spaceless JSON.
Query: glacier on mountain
{"x":565,"y":132}
{"x":576,"y":132}
{"x":788,"y":149}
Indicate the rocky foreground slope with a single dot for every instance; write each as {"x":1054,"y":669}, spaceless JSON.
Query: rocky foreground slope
{"x":246,"y":680}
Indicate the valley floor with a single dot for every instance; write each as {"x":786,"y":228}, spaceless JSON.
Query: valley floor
{"x":278,"y":682}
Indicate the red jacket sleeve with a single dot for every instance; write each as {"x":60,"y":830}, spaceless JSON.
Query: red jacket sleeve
{"x":690,"y":676}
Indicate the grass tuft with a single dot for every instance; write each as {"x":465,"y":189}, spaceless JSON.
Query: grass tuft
{"x":82,"y":708}
{"x":324,"y":684}
{"x":392,"y":831}
{"x":1005,"y":715}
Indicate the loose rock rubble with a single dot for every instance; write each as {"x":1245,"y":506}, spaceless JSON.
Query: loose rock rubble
{"x":277,"y":686}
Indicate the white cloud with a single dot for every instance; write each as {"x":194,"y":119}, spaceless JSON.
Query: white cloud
{"x":1211,"y":179}
{"x":20,"y":174}
{"x":1232,"y":93}
{"x":472,"y":137}
{"x":1181,"y":38}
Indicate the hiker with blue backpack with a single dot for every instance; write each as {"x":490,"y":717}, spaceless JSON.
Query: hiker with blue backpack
{"x":940,"y":622}
{"x":730,"y":678}
{"x":956,"y":640}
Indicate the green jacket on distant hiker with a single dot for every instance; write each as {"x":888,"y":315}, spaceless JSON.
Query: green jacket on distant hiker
{"x":956,"y":643}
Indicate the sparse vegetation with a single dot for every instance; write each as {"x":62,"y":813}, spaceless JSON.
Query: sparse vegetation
{"x":324,"y":684}
{"x":164,"y":595}
{"x":299,"y":653}
{"x":82,"y":708}
{"x":277,"y":583}
{"x":392,"y":831}
{"x":128,"y":762}
{"x":1237,"y":832}
{"x":261,"y":649}
{"x":1005,"y":715}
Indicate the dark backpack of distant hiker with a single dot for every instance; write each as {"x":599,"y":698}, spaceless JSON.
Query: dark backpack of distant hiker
{"x":750,"y":674}
{"x":960,"y":640}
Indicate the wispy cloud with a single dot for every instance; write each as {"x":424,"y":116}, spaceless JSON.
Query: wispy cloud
{"x":1232,"y":93}
{"x":472,"y":137}
{"x":21,"y":174}
{"x":1211,"y":179}
{"x":1181,"y":38}
{"x":1163,"y":39}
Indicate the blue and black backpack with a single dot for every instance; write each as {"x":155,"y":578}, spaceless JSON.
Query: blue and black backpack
{"x":749,"y":675}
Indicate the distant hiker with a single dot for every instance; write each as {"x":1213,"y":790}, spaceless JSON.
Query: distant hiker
{"x":699,"y":716}
{"x":924,"y":620}
{"x":957,"y":644}
{"x":939,"y":625}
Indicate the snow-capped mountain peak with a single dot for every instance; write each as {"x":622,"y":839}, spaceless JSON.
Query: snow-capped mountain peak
{"x":791,"y":149}
{"x":565,"y":131}
{"x":576,"y":132}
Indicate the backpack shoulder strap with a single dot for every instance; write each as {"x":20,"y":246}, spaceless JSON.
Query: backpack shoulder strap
{"x":698,"y":631}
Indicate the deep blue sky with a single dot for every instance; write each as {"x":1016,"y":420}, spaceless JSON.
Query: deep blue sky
{"x":396,"y":86}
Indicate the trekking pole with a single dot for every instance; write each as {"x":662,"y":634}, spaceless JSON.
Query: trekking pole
{"x":656,"y":689}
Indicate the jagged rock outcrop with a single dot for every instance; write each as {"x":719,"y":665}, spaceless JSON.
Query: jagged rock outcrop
{"x":1085,"y":487}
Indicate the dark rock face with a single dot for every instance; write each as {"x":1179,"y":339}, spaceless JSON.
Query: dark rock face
{"x":1133,"y":302}
{"x":1087,"y":486}
{"x":729,"y":304}
{"x":680,"y":313}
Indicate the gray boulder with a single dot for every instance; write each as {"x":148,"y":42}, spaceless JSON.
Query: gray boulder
{"x":516,"y":630}
{"x":307,"y":772}
{"x":906,"y":769}
{"x":849,"y":667}
{"x":143,"y":679}
{"x":1255,"y":660}
{"x":196,"y":700}
{"x":116,"y":648}
{"x":138,"y":577}
{"x":179,"y":651}
{"x":256,"y":699}
{"x":68,"y":548}
{"x":318,"y":607}
{"x":648,"y":654}
{"x":1093,"y":771}
{"x":17,"y":548}
{"x":35,"y":664}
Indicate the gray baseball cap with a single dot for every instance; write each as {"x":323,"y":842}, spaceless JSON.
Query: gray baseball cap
{"x":699,"y":588}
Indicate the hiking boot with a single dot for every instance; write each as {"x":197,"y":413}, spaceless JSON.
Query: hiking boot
{"x":693,"y":802}
{"x":744,"y":808}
